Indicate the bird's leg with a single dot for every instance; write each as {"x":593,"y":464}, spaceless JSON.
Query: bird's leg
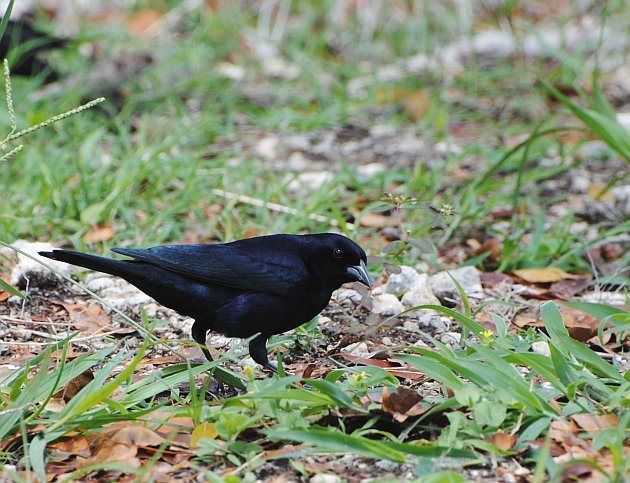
{"x":198,"y":334}
{"x":258,"y":351}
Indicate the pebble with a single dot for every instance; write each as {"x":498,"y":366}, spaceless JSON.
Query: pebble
{"x":468,"y":277}
{"x":309,"y":182}
{"x":347,"y":294}
{"x":420,"y":293}
{"x":399,"y":283}
{"x":359,"y":349}
{"x":386,"y":304}
{"x":410,"y":326}
{"x":371,"y":169}
{"x":541,"y":347}
{"x":325,"y":478}
{"x":28,"y":270}
{"x":268,"y":148}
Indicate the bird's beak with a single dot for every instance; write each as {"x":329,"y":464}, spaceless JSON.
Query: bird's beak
{"x":359,"y":273}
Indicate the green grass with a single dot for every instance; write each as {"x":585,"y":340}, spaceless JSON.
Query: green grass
{"x":150,"y":171}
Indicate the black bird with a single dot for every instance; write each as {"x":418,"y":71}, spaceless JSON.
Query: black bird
{"x":264,"y":285}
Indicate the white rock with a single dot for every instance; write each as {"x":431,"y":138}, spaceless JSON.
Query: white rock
{"x":27,"y":268}
{"x":371,"y":169}
{"x":230,"y":71}
{"x":325,"y":478}
{"x":346,"y":294}
{"x":541,"y":347}
{"x":420,"y":293}
{"x":621,"y":195}
{"x":309,"y":181}
{"x":468,"y":278}
{"x":410,"y":326}
{"x":451,"y":338}
{"x":117,"y":292}
{"x":183,"y":325}
{"x":359,"y":349}
{"x":268,"y":148}
{"x":399,"y":283}
{"x":386,"y":304}
{"x":616,"y":299}
{"x":297,"y":161}
{"x":279,"y":68}
{"x":437,"y":323}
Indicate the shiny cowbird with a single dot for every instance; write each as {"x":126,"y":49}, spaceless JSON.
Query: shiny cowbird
{"x":264,"y":285}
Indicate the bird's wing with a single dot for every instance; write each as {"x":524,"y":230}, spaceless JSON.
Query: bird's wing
{"x":265,"y":270}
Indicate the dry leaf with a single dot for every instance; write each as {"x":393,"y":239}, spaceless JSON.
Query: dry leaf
{"x":119,"y":443}
{"x":416,"y":104}
{"x":4,"y":295}
{"x":55,"y":405}
{"x":566,"y":289}
{"x":99,"y":233}
{"x":141,"y":21}
{"x":89,"y":319}
{"x":377,"y":220}
{"x":543,"y":275}
{"x":600,"y":193}
{"x":64,"y":448}
{"x":503,"y":441}
{"x":402,"y":404}
{"x":594,"y":423}
{"x":580,"y":325}
{"x":138,"y":436}
{"x":494,"y":279}
{"x":75,"y":385}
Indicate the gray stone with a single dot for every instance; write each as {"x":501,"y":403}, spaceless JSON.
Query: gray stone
{"x":468,"y":278}
{"x":410,"y":326}
{"x":27,"y":270}
{"x":386,"y":304}
{"x":541,"y":347}
{"x":268,"y":148}
{"x":346,"y":294}
{"x":309,"y":182}
{"x":420,"y":293}
{"x":359,"y":349}
{"x":399,"y":283}
{"x":117,"y":292}
{"x":371,"y":169}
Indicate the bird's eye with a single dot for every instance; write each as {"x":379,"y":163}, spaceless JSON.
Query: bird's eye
{"x":338,"y":253}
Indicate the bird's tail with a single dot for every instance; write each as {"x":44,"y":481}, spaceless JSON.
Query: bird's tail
{"x":93,"y":262}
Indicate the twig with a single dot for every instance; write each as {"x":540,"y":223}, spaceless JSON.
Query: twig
{"x":276,"y":207}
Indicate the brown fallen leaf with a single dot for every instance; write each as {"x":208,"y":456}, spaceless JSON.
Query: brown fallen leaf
{"x":402,"y":404}
{"x":67,"y":447}
{"x":580,"y":325}
{"x":543,"y":274}
{"x":503,"y":441}
{"x":376,"y":220}
{"x":75,"y":385}
{"x":600,"y":193}
{"x":494,"y":279}
{"x":89,"y":319}
{"x":140,"y":22}
{"x":567,"y":289}
{"x":99,"y":233}
{"x":119,"y":443}
{"x":594,"y":423}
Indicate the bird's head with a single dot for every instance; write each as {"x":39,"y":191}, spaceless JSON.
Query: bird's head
{"x":336,"y":260}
